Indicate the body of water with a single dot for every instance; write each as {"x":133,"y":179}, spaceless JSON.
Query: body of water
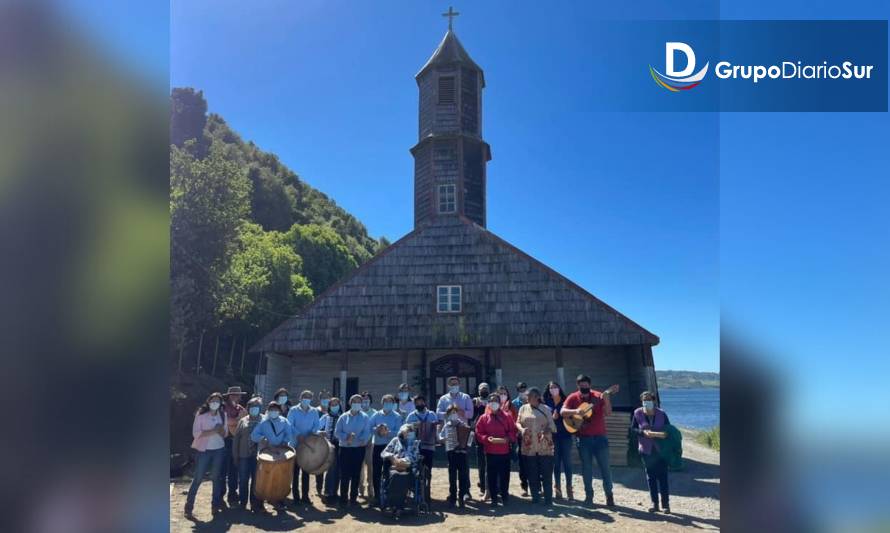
{"x":692,"y":408}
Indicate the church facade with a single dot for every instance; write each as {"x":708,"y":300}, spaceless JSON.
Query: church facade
{"x":450,"y":297}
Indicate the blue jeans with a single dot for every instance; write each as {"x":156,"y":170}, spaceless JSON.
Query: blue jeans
{"x":588,"y":448}
{"x":207,"y":461}
{"x":562,"y":459}
{"x":229,"y":472}
{"x":247,"y":475}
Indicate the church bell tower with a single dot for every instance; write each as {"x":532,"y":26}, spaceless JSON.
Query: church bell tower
{"x":450,"y":155}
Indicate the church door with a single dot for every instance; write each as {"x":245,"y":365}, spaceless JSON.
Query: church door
{"x":466,"y":368}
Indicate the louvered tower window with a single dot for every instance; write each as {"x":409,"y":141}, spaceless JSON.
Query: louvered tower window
{"x":446,"y":90}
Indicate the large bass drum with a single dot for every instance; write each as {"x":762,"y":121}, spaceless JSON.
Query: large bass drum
{"x":315,"y":454}
{"x":275,"y":473}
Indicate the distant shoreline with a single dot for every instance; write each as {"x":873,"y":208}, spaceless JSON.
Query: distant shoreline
{"x":687,"y":379}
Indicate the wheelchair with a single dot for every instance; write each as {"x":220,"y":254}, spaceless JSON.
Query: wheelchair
{"x":412,"y":485}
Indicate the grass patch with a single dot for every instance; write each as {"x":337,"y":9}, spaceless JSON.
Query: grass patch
{"x":710,"y":438}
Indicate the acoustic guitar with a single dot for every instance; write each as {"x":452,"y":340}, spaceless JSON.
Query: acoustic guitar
{"x":575,"y":422}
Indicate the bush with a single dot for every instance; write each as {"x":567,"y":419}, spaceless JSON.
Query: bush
{"x":710,"y":438}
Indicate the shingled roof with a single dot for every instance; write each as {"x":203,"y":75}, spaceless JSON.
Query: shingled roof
{"x":509,"y":299}
{"x":449,"y":52}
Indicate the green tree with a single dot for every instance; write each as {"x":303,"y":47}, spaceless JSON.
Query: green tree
{"x":208,"y":200}
{"x":326,"y":257}
{"x":263,"y":283}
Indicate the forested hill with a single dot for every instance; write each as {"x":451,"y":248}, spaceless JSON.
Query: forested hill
{"x":251,"y":242}
{"x":687,"y":379}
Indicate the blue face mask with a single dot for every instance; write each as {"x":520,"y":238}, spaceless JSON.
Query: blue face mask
{"x":273,"y":415}
{"x":282,"y":399}
{"x":335,"y":408}
{"x":388,"y":406}
{"x":325,"y":402}
{"x":305,"y":402}
{"x":354,"y":408}
{"x":403,"y":396}
{"x":454,"y":389}
{"x":254,"y":411}
{"x":648,"y":405}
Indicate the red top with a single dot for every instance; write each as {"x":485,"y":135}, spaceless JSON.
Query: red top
{"x":499,"y":425}
{"x":596,"y":424}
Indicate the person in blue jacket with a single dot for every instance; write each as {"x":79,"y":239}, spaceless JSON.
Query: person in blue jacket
{"x":385,"y":425}
{"x":304,"y":421}
{"x":353,"y":433}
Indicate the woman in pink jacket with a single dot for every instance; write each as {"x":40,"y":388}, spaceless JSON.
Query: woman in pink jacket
{"x":496,"y":431}
{"x":209,"y":431}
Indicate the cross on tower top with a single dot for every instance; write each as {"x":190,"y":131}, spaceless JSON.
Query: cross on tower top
{"x":451,"y":14}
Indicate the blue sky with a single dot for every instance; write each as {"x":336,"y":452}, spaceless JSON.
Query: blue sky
{"x":781,"y":219}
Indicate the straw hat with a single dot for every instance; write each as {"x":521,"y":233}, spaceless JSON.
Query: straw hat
{"x":234,"y":390}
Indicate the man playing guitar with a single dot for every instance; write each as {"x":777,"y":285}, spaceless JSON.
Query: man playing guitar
{"x":592,"y":439}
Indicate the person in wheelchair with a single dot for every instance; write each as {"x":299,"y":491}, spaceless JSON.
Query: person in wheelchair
{"x":406,"y":471}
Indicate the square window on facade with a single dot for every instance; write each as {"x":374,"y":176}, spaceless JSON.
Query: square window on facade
{"x":448,"y":299}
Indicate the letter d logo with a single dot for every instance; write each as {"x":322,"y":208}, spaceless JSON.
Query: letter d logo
{"x":669,"y":51}
{"x":683,"y":80}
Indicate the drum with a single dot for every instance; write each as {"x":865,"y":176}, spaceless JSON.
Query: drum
{"x":275,"y":473}
{"x":315,"y":455}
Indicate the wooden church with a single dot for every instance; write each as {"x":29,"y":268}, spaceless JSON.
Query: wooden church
{"x":450,"y":297}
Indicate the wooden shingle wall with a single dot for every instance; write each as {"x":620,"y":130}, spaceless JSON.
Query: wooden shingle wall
{"x":509,"y":301}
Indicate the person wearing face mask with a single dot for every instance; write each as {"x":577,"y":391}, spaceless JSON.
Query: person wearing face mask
{"x":304,"y":421}
{"x":232,"y":412}
{"x":650,"y":425}
{"x":244,"y":452}
{"x":353,"y":432}
{"x":384,"y":425}
{"x":366,"y":478}
{"x":454,"y":396}
{"x":273,"y":431}
{"x":327,"y":423}
{"x":495,"y":431}
{"x":425,"y":422}
{"x":208,"y":430}
{"x":592,"y":440}
{"x":479,"y":404}
{"x":456,"y":434}
{"x":562,"y":441}
{"x":324,"y":400}
{"x":283,"y":400}
{"x":406,"y":404}
{"x":516,"y":453}
{"x":402,"y":457}
{"x":536,"y":428}
{"x":506,"y":404}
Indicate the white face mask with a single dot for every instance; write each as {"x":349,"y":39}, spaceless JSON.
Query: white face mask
{"x":503,"y":397}
{"x":214,"y":406}
{"x":554,"y":391}
{"x":648,"y":405}
{"x":453,"y":417}
{"x":494,"y":406}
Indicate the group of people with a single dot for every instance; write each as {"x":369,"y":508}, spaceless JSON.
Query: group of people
{"x":372,"y":445}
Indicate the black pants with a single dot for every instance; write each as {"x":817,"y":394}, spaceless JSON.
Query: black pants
{"x":379,"y":468}
{"x":539,"y":469}
{"x":351,"y":461}
{"x":480,"y":465}
{"x":657,"y":477}
{"x":229,"y":473}
{"x":523,"y":476}
{"x":428,"y":462}
{"x":498,"y":475}
{"x":300,"y":476}
{"x":458,"y":475}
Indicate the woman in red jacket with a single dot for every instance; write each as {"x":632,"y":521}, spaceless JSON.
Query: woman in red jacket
{"x":495,"y":431}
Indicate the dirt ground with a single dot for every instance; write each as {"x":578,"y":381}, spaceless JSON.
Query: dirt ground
{"x":695,"y":504}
